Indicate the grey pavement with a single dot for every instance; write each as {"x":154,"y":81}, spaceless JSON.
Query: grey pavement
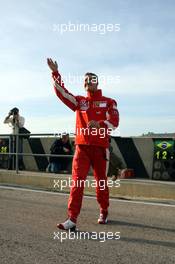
{"x":28,"y":232}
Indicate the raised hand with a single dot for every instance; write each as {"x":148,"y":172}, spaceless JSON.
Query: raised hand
{"x":52,"y":65}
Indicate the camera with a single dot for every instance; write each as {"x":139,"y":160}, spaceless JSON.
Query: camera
{"x":14,"y":111}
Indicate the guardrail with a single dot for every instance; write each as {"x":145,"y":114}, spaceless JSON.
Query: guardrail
{"x":152,"y":158}
{"x":14,"y":147}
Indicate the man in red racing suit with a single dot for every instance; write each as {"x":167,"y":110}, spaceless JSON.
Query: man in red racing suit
{"x":96,"y":117}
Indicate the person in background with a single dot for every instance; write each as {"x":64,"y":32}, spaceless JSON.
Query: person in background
{"x":15,"y":121}
{"x":60,"y":146}
{"x":115,"y":164}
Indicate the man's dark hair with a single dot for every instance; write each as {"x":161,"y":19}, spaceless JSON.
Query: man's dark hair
{"x":93,"y":75}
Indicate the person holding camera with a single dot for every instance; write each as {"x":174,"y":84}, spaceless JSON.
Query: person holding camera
{"x":15,"y":121}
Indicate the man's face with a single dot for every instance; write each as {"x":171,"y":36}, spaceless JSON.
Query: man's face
{"x":16,"y":114}
{"x":90,"y":83}
{"x":65,"y":138}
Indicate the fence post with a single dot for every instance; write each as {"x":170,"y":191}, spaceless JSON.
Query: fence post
{"x":17,"y":151}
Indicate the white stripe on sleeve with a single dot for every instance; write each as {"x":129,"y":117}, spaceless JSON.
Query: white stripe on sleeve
{"x":66,"y":95}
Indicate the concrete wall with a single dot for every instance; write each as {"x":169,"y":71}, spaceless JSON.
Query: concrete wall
{"x":135,"y":153}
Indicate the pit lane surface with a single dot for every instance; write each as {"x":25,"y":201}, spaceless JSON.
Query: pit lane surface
{"x":28,"y":232}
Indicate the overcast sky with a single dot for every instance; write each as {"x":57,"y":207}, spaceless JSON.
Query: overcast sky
{"x":135,"y":60}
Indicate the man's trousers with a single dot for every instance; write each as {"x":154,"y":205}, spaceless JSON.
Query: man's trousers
{"x":84,"y":157}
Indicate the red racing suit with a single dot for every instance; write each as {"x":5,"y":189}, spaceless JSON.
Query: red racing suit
{"x":91,"y":144}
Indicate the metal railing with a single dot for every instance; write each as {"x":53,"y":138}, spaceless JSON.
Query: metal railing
{"x":14,"y":147}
